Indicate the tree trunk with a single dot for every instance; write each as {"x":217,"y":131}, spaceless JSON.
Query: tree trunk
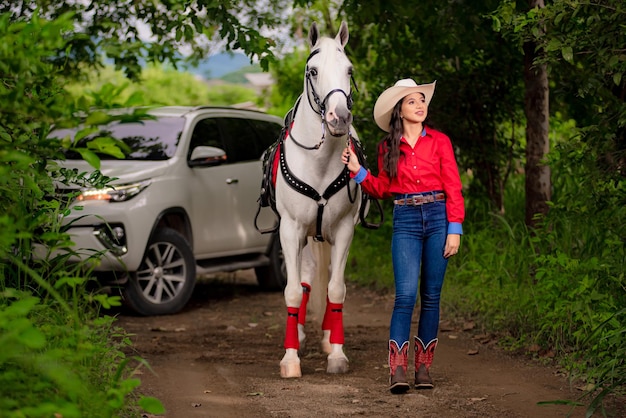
{"x":536,"y":108}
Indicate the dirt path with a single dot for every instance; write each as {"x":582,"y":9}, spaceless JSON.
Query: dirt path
{"x":219,"y":358}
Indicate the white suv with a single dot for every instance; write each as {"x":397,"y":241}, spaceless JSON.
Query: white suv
{"x":183,"y":204}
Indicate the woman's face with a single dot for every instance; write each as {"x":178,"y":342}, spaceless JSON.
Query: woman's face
{"x":414,"y":108}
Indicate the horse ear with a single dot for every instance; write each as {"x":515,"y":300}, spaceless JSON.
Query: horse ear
{"x":342,"y":35}
{"x":313,"y":34}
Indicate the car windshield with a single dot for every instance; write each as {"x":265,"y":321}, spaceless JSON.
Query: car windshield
{"x":147,"y":139}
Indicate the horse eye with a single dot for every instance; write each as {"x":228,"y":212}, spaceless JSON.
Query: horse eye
{"x":313,"y":72}
{"x":350,"y":72}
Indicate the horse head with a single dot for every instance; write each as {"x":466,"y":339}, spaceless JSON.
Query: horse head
{"x":327,"y":80}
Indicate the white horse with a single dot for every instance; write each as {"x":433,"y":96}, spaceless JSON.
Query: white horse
{"x":317,"y":202}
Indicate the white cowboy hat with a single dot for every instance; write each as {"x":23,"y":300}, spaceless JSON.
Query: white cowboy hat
{"x":388,"y":99}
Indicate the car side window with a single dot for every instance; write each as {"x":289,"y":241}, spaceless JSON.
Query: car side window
{"x":240,"y":139}
{"x":268,"y":132}
{"x":206,"y":133}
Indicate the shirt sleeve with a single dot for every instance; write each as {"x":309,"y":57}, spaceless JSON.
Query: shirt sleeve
{"x":455,"y":204}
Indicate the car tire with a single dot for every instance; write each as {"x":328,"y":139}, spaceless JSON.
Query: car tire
{"x":166,"y":277}
{"x":273,"y":277}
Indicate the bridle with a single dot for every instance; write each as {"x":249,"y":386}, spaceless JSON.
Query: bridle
{"x":321,"y":104}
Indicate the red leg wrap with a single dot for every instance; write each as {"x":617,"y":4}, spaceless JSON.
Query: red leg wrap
{"x":336,"y":322}
{"x":306,"y":292}
{"x":326,"y":322}
{"x":291,"y":332}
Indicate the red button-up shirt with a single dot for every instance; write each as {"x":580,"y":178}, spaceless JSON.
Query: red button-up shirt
{"x":428,"y":166}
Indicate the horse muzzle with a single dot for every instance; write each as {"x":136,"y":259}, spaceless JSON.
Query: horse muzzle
{"x":338,"y":122}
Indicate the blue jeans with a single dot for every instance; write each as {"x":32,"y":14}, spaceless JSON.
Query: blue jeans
{"x":417,"y":246}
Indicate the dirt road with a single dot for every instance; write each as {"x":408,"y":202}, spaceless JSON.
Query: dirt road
{"x":219,"y":358}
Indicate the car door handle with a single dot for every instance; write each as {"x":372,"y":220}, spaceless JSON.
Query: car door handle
{"x":232,"y":181}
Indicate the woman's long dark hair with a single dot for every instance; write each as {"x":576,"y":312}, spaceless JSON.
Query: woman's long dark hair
{"x":390,"y":145}
{"x":391,"y":142}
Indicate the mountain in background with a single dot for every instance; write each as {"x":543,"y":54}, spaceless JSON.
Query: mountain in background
{"x":223,"y":64}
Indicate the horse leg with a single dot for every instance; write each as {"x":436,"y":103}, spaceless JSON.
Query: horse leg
{"x":307,"y":276}
{"x":290,"y":363}
{"x":306,"y":292}
{"x":337,"y":360}
{"x":318,"y":271}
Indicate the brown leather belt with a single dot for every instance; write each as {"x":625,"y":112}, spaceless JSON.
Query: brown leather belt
{"x":420,"y":199}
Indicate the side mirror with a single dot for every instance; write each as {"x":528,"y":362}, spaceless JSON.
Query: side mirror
{"x":207,"y":157}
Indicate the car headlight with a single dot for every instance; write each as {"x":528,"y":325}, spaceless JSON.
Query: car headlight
{"x":118,"y":193}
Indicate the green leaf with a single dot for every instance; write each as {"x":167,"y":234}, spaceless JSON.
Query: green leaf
{"x":90,"y":157}
{"x":17,"y":157}
{"x":85,"y":132}
{"x":108,"y":145}
{"x":97,"y":118}
{"x":553,"y":45}
{"x":107,"y":301}
{"x":151,"y":405}
{"x":22,"y":307}
{"x":567,"y":53}
{"x":135,"y":99}
{"x":70,"y":281}
{"x":617,"y":78}
{"x":32,"y":338}
{"x":66,"y":142}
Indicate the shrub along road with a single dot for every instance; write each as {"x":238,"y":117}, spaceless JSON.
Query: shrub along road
{"x":219,"y":358}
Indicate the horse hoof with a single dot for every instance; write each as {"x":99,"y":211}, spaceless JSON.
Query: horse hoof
{"x":337,"y":365}
{"x":290,"y":370}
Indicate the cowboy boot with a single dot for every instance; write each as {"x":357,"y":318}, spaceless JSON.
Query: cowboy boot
{"x":398,"y":362}
{"x":423,"y":359}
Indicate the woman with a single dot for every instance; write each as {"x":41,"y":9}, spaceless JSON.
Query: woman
{"x":417,"y":166}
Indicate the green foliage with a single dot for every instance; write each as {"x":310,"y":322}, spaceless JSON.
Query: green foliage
{"x":453,"y":43}
{"x":159,"y":86}
{"x":583,"y":43}
{"x":288,"y":74}
{"x":51,"y":364}
{"x":57,"y":355}
{"x":117,"y":30}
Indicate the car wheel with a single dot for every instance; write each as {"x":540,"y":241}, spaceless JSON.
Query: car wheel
{"x":273,"y":276}
{"x":166,"y":277}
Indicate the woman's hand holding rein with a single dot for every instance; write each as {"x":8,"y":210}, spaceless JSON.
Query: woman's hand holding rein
{"x":349,"y":158}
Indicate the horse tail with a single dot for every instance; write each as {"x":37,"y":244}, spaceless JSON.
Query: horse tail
{"x":321,"y":277}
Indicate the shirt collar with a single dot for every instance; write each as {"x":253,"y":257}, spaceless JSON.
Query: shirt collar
{"x":423,"y":134}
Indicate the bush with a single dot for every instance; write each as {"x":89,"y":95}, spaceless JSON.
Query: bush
{"x":58,"y":355}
